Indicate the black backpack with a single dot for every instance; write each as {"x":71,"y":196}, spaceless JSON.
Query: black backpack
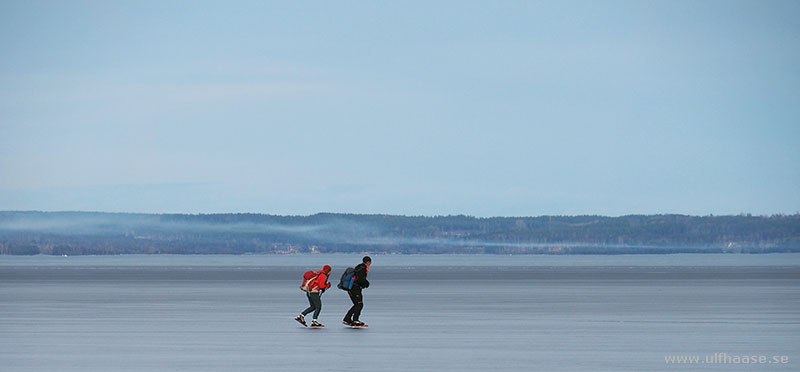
{"x":347,"y":280}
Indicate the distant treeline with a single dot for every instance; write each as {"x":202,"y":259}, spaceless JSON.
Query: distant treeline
{"x":79,"y":233}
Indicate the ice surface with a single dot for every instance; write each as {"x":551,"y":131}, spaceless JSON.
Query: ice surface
{"x":191,"y":315}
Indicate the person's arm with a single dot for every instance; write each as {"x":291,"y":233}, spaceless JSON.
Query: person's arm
{"x":322,"y":282}
{"x":361,"y":277}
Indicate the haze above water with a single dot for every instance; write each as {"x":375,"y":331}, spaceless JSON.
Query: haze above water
{"x":429,"y":313}
{"x":391,"y":260}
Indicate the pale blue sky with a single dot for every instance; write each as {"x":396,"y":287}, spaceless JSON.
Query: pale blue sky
{"x":420,"y":108}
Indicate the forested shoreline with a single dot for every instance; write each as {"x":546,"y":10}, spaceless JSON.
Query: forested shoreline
{"x":81,"y":233}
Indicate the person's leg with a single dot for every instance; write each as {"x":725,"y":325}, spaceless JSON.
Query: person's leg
{"x":358,"y":306}
{"x":355,"y":298}
{"x":316,"y":301}
{"x":310,"y":307}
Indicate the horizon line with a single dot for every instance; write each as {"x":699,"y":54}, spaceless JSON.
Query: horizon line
{"x":742,"y":214}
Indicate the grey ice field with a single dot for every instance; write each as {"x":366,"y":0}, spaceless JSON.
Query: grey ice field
{"x":426,"y":313}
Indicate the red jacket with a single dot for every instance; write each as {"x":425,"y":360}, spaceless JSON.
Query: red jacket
{"x":320,"y":283}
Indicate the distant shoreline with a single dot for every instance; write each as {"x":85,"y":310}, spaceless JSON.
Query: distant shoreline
{"x":97,"y":233}
{"x":667,"y":252}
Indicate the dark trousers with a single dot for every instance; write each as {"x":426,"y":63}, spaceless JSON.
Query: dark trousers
{"x":315,"y":302}
{"x":358,"y":304}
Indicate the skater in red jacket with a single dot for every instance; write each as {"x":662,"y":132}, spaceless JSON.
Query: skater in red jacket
{"x":315,"y":287}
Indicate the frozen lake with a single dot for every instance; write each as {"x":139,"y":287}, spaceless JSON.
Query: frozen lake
{"x":426,"y":313}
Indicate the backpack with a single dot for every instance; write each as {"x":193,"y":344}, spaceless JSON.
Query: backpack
{"x":308,"y":278}
{"x":347,"y":280}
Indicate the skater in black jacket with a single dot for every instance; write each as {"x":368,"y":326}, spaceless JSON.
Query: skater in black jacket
{"x":360,"y":283}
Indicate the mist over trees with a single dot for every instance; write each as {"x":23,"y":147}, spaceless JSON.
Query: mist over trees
{"x":80,"y":233}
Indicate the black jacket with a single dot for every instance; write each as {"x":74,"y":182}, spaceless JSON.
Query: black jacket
{"x":361,"y":276}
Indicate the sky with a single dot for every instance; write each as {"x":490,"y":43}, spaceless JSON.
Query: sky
{"x":483,"y":108}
